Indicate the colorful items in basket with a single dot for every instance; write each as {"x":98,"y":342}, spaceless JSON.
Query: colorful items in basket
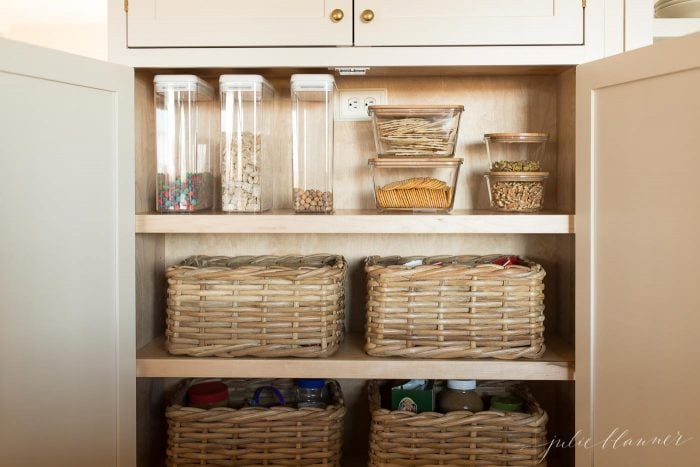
{"x":460,"y":395}
{"x":194,"y":193}
{"x":243,"y":435}
{"x":417,"y":192}
{"x":208,"y":395}
{"x":416,"y":395}
{"x":493,"y":436}
{"x":304,"y":394}
{"x":420,"y":395}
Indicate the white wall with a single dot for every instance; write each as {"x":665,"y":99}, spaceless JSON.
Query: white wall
{"x":77,"y":26}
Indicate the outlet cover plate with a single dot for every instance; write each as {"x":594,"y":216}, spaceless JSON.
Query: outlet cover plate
{"x":352,"y":103}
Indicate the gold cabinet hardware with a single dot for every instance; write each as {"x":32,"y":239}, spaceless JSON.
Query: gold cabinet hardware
{"x":367,"y":16}
{"x":126,"y":6}
{"x":337,"y":15}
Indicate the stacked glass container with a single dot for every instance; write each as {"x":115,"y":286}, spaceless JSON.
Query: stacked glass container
{"x":415,"y":170}
{"x":516,"y":180}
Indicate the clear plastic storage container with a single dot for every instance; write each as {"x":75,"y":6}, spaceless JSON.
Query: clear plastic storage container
{"x":414,"y":184}
{"x":508,"y":148}
{"x":312,"y":142}
{"x":415,"y":131}
{"x":247,"y":106}
{"x":184,"y":143}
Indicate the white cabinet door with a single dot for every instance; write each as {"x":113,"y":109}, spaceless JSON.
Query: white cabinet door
{"x":638,"y":257}
{"x":67,"y":357}
{"x":469,"y":22}
{"x":226,"y":23}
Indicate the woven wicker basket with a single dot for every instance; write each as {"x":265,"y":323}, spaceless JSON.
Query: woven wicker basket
{"x":250,"y":436}
{"x":453,"y":307}
{"x":400,"y":439}
{"x":261,"y":306}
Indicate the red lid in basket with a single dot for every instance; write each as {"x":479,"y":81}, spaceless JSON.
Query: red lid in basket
{"x":207,"y":393}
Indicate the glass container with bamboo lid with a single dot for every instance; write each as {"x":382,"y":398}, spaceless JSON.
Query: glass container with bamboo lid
{"x":516,"y":179}
{"x":415,"y":130}
{"x":414,"y":184}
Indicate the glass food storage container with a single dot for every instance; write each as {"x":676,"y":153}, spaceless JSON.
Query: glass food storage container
{"x":247,"y":105}
{"x":526,"y":149}
{"x":312,"y":142}
{"x":184,"y":139}
{"x":415,"y":131}
{"x":414,"y":184}
{"x":516,"y":191}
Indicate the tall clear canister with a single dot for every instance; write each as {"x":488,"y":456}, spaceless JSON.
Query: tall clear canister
{"x":247,"y":103}
{"x":184,"y":143}
{"x":312,"y":142}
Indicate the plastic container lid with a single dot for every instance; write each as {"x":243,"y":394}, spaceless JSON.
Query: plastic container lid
{"x":311,"y":383}
{"x":207,"y":393}
{"x":506,"y":403}
{"x":189,"y":83}
{"x":312,"y":82}
{"x":243,"y":83}
{"x":461,"y":384}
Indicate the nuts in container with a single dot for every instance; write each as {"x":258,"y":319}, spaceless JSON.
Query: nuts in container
{"x":413,"y":184}
{"x":516,"y":182}
{"x":415,"y":131}
{"x":516,"y":191}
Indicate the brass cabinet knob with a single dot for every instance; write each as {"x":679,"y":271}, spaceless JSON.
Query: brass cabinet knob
{"x":367,"y":16}
{"x":337,"y":15}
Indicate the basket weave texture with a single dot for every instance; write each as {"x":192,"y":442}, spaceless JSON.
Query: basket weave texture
{"x":457,"y":439}
{"x":454,"y":307}
{"x":260,"y":306}
{"x":252,"y":436}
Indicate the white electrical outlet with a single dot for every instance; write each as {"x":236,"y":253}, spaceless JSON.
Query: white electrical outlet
{"x":352,"y":104}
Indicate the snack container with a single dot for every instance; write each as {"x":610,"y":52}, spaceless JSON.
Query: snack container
{"x":247,"y":106}
{"x":184,"y":143}
{"x":312,"y":143}
{"x":414,"y":184}
{"x":516,"y":191}
{"x":415,"y":131}
{"x":515,"y":147}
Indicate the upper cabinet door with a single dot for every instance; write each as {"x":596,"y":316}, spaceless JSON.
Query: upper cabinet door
{"x":468,"y":22}
{"x":67,"y":357}
{"x":637,"y":231}
{"x":226,"y":23}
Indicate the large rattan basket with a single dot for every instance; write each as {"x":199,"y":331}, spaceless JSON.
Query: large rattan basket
{"x":260,"y":306}
{"x":251,"y":436}
{"x":454,"y":307}
{"x":458,"y":439}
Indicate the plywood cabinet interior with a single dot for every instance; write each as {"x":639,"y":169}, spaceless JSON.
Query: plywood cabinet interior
{"x":513,"y":99}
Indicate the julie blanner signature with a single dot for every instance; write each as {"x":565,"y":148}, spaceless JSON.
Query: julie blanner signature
{"x":618,"y":438}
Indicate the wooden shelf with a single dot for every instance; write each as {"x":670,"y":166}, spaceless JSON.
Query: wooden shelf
{"x":356,"y":221}
{"x":351,"y":362}
{"x":673,"y":27}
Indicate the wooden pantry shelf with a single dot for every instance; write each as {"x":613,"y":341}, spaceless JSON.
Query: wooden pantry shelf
{"x":357,"y":221}
{"x":351,"y":362}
